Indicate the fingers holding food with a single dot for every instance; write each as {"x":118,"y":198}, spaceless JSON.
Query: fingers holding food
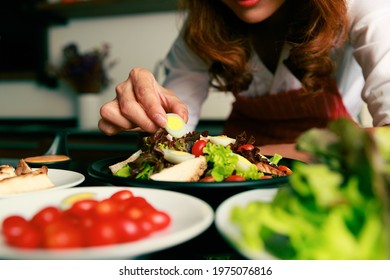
{"x":113,"y":121}
{"x":154,"y":99}
{"x":139,"y":100}
{"x":140,"y":103}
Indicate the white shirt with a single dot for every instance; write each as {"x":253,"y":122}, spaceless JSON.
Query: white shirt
{"x":363,"y":73}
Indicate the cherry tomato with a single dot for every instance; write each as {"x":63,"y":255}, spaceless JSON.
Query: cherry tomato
{"x":285,"y":169}
{"x":197,"y":148}
{"x":158,"y":219}
{"x":247,"y":147}
{"x":83,"y":207}
{"x":86,"y":221}
{"x":146,"y":226}
{"x":12,"y":221}
{"x":136,"y":212}
{"x":13,"y":227}
{"x":106,"y":208}
{"x":130,"y":230}
{"x":122,"y":195}
{"x":102,"y":232}
{"x":30,"y":238}
{"x":69,"y":217}
{"x":207,"y":179}
{"x":234,"y":178}
{"x":46,"y":216}
{"x":122,"y":217}
{"x":140,"y":202}
{"x":61,"y":235}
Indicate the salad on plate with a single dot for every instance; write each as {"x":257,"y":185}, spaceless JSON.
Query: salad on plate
{"x":172,"y":154}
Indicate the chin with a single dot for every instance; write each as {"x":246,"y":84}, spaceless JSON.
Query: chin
{"x":253,"y":17}
{"x":257,"y":12}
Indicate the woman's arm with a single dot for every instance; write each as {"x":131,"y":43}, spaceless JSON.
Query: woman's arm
{"x":370,"y":38}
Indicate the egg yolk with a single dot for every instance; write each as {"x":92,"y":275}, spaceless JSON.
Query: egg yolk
{"x":174,"y":123}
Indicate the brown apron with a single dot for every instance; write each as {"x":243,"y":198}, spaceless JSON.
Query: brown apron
{"x":281,"y":118}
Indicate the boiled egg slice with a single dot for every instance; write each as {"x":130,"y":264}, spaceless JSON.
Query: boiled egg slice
{"x":175,"y":125}
{"x":243,"y":164}
{"x":222,"y":140}
{"x":176,"y":157}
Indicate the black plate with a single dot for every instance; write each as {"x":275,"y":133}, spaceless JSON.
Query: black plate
{"x":212,"y":192}
{"x":99,"y":170}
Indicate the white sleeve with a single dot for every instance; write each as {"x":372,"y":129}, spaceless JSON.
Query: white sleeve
{"x":370,"y":38}
{"x":187,"y":76}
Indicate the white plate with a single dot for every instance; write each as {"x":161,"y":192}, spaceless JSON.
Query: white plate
{"x":62,"y":179}
{"x":190,"y":217}
{"x":229,"y":231}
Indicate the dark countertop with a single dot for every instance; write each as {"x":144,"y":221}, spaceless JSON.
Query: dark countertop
{"x":20,"y":138}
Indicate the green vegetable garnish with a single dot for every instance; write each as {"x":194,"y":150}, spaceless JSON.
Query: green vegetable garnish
{"x":334,"y":208}
{"x":222,"y":159}
{"x":123,"y":172}
{"x":252,"y":173}
{"x":275,"y":159}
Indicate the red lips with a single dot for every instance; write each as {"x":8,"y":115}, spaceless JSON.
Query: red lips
{"x":247,"y":3}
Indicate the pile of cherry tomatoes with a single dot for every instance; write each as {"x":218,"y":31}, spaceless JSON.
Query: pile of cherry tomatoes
{"x":123,"y":217}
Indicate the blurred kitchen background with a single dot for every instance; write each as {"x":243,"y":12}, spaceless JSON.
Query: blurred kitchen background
{"x":33,"y":109}
{"x":138,"y":32}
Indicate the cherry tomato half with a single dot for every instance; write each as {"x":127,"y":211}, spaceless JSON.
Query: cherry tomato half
{"x":247,"y":147}
{"x":234,"y":178}
{"x":207,"y":179}
{"x":197,"y":148}
{"x":285,"y":169}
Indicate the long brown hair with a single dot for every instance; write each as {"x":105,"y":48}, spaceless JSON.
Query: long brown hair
{"x":221,"y":39}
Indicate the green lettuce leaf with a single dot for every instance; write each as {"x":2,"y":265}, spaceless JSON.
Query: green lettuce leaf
{"x":222,"y":160}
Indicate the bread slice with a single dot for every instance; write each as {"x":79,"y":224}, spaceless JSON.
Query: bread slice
{"x":115,"y":167}
{"x":7,"y":171}
{"x":26,"y":180}
{"x":187,"y":171}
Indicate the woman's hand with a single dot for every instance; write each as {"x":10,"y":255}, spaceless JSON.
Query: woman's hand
{"x":140,"y":104}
